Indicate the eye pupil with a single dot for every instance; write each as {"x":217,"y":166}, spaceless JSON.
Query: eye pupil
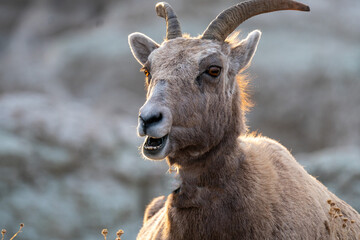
{"x":214,"y":71}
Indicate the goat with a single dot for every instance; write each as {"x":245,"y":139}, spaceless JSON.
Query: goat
{"x":233,"y":185}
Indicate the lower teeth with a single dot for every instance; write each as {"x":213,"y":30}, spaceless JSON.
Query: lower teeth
{"x":151,"y":141}
{"x":151,"y":148}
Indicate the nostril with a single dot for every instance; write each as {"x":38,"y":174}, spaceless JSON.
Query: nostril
{"x":152,"y":118}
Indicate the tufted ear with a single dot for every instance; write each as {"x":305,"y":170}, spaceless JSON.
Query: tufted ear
{"x":242,"y":53}
{"x":141,"y":46}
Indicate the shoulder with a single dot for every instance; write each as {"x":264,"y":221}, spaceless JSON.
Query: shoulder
{"x":155,"y":205}
{"x":267,"y":151}
{"x":260,"y":145}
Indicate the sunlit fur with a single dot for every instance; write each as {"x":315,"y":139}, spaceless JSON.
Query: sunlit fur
{"x":233,"y":185}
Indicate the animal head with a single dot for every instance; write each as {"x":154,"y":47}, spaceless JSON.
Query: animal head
{"x":193,"y":98}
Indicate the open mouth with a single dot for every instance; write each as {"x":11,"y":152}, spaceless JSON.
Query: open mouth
{"x":154,"y":145}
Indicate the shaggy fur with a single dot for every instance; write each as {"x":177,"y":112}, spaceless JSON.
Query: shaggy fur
{"x":233,"y":186}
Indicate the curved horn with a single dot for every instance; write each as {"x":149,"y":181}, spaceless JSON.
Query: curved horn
{"x":228,"y":20}
{"x":173,"y":29}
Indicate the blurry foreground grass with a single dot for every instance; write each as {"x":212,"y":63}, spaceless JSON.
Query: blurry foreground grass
{"x":104,"y":232}
{"x":120,"y":232}
{"x":3,"y":232}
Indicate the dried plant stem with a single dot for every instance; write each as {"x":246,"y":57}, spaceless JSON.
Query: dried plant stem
{"x":104,"y":232}
{"x":3,"y":231}
{"x":19,"y":231}
{"x":119,"y":233}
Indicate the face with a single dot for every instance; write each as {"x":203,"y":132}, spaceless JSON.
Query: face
{"x":185,"y":83}
{"x":190,"y":94}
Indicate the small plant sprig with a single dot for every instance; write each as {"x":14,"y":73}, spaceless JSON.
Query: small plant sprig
{"x":3,"y":232}
{"x":120,"y":232}
{"x":104,"y":232}
{"x":335,"y":212}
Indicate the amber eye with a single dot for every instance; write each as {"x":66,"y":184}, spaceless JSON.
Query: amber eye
{"x":146,"y":72}
{"x":214,"y":71}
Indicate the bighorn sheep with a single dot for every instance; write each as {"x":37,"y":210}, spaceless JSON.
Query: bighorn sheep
{"x":233,"y":185}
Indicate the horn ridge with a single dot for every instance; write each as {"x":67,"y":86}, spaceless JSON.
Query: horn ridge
{"x":228,"y":20}
{"x":173,"y":29}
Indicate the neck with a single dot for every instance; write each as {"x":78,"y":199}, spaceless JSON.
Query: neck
{"x":211,"y":162}
{"x":207,"y":174}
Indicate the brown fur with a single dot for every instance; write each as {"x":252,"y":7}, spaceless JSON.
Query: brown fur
{"x":233,"y":185}
{"x":253,"y":190}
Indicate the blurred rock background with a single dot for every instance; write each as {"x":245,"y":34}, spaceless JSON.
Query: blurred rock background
{"x":70,"y":91}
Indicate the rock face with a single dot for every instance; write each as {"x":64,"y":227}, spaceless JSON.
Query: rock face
{"x":65,"y":168}
{"x":70,"y":93}
{"x":69,"y":159}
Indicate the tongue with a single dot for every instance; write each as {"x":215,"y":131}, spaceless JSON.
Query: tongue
{"x":153,"y":142}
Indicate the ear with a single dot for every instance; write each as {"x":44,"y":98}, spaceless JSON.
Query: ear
{"x":141,"y":46}
{"x":242,"y":53}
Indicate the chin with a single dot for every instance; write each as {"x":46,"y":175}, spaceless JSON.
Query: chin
{"x":156,"y":148}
